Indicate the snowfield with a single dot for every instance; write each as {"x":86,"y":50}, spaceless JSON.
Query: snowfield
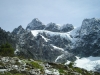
{"x":63,"y":35}
{"x":88,"y":63}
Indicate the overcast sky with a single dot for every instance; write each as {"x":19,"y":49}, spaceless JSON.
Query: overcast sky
{"x":20,"y":12}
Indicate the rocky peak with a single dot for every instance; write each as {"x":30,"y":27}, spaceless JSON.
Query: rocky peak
{"x":90,"y":26}
{"x":18,"y":30}
{"x":20,"y":27}
{"x":52,"y":27}
{"x":59,"y":28}
{"x":67,"y":27}
{"x":36,"y":19}
{"x":88,"y":43}
{"x":35,"y":24}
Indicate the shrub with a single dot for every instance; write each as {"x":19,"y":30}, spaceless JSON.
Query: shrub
{"x":6,"y":50}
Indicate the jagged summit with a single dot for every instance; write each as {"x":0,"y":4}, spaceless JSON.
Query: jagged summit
{"x":89,"y":26}
{"x":35,"y":24}
{"x":35,"y":19}
{"x":88,"y":41}
{"x":66,"y":28}
{"x":52,"y":27}
{"x":18,"y":30}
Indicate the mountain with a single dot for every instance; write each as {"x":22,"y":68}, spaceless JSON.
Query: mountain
{"x":58,"y":43}
{"x":19,"y":30}
{"x":36,"y":24}
{"x":46,"y":44}
{"x":43,"y":45}
{"x":52,"y":27}
{"x":88,"y":43}
{"x":66,"y":28}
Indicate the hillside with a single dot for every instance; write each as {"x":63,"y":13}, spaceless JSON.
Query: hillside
{"x":20,"y":66}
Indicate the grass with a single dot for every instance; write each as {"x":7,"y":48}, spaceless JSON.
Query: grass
{"x":36,"y":65}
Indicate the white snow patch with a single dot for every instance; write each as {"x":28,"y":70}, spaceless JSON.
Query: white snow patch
{"x":52,"y":71}
{"x":35,"y":32}
{"x":59,"y":57}
{"x":63,"y":35}
{"x":88,"y":63}
{"x":74,"y":34}
{"x":45,"y":38}
{"x":15,"y":52}
{"x":68,"y":62}
{"x":58,"y":48}
{"x":75,"y":31}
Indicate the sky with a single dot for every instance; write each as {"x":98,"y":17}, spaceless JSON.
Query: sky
{"x":21,"y":12}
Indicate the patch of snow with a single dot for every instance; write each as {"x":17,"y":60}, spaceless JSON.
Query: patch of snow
{"x":53,"y":71}
{"x":88,"y":63}
{"x":35,"y":32}
{"x":75,"y":31}
{"x":15,"y":52}
{"x":47,"y":71}
{"x":59,"y":57}
{"x":58,"y":48}
{"x":46,"y":40}
{"x":63,"y":35}
{"x":68,"y":62}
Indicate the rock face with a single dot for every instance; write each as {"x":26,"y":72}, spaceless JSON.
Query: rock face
{"x":35,"y":25}
{"x":67,"y":28}
{"x":19,"y":30}
{"x":7,"y":37}
{"x":90,"y":26}
{"x":89,"y":37}
{"x":52,"y":27}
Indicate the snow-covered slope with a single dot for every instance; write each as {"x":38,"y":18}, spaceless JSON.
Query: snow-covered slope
{"x":50,"y":33}
{"x":56,"y":41}
{"x":43,"y":44}
{"x":89,"y":63}
{"x":75,"y":35}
